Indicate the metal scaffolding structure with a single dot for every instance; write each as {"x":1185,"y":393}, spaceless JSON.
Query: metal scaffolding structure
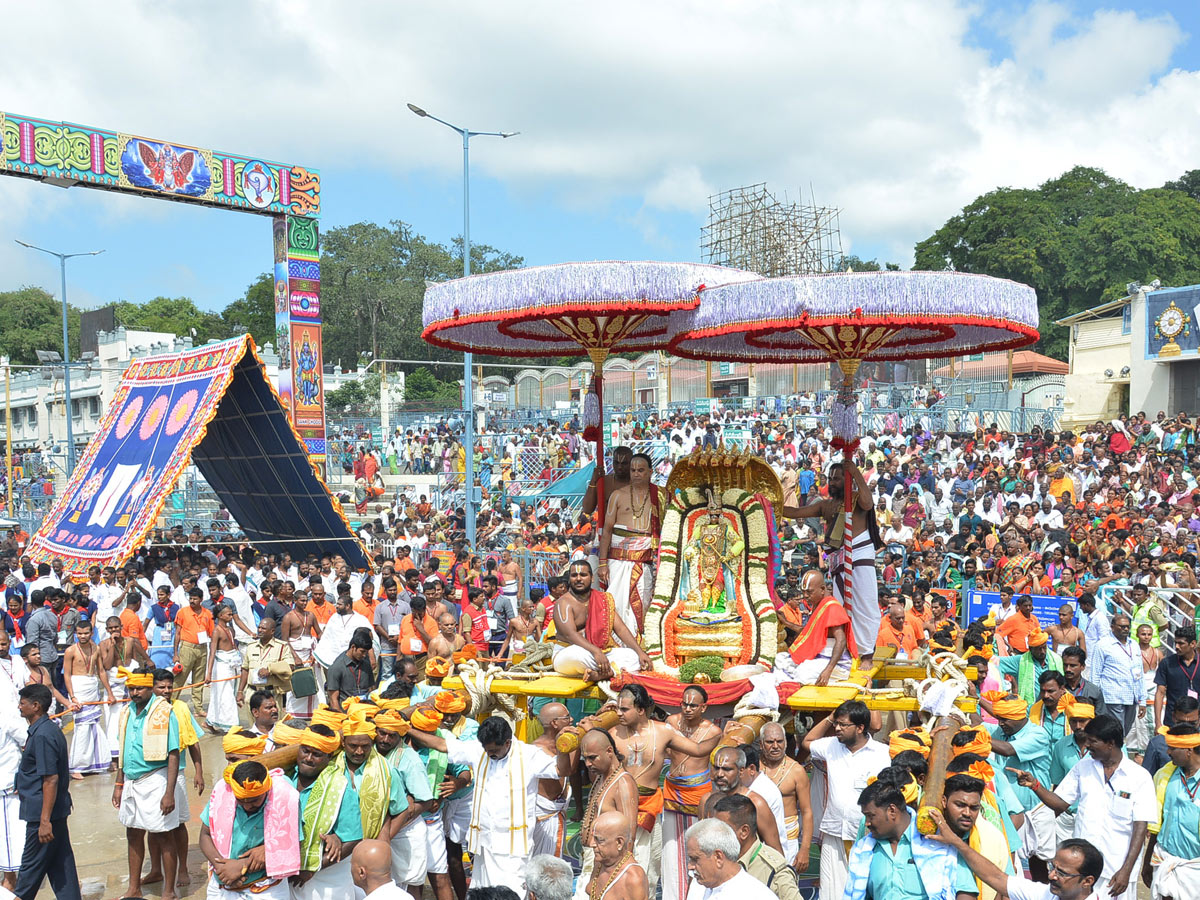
{"x":750,"y":228}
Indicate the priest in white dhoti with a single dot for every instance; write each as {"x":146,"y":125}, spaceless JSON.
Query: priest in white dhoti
{"x":303,"y":707}
{"x":87,"y":688}
{"x":504,"y":800}
{"x":629,"y":542}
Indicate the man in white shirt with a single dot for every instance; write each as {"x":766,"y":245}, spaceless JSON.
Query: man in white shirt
{"x":45,"y":579}
{"x":1048,"y":517}
{"x":338,"y":629}
{"x":371,"y":869}
{"x":1073,"y":876}
{"x":847,"y":760}
{"x":1116,"y":800}
{"x":713,"y":851}
{"x":501,"y":820}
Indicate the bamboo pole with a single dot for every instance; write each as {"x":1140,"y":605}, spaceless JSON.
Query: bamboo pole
{"x":935,"y":779}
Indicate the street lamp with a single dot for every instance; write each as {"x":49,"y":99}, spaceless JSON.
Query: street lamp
{"x":468,"y":399}
{"x":62,"y":264}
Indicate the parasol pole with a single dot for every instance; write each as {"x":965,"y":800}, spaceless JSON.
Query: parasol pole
{"x":598,"y":356}
{"x":845,"y":435}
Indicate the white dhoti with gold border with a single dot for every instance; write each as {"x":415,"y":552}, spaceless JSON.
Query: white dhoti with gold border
{"x":631,"y":575}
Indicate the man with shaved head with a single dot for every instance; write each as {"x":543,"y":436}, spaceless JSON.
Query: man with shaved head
{"x":822,"y":651}
{"x":617,"y":876}
{"x":790,"y":778}
{"x":371,"y":869}
{"x":550,"y":829}
{"x":728,"y":766}
{"x":613,"y":790}
{"x":688,"y":782}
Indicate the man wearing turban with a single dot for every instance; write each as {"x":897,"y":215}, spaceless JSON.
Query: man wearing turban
{"x":972,"y":816}
{"x":1172,"y":866}
{"x":1026,"y":668}
{"x":456,"y":806}
{"x":331,"y":816}
{"x":251,"y":810}
{"x":1023,"y":745}
{"x":406,"y":831}
{"x":1068,"y":750}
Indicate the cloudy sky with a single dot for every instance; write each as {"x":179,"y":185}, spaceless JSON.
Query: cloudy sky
{"x":631,"y":113}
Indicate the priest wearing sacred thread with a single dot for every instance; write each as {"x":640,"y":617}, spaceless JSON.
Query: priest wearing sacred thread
{"x":504,"y":796}
{"x":250,"y":834}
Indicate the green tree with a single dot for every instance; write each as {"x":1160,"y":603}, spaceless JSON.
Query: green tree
{"x":373,"y":284}
{"x":33,"y":321}
{"x":254,"y":313}
{"x":173,"y":315}
{"x":1188,"y":182}
{"x":1077,"y":240}
{"x":423,"y":387}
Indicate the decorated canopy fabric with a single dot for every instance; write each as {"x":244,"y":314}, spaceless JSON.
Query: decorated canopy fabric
{"x":857,"y":315}
{"x":562,"y":309}
{"x":212,"y":406}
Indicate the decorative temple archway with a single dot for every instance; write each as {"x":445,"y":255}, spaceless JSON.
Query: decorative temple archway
{"x":70,"y":155}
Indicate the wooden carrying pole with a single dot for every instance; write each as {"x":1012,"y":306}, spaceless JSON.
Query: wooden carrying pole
{"x":935,"y":779}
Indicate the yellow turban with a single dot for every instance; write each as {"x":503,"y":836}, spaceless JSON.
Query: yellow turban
{"x":1004,"y":707}
{"x":469,"y":651}
{"x":1068,"y":703}
{"x":981,"y":743}
{"x":448,"y":703}
{"x":357,"y":726}
{"x":426,"y":720}
{"x":360,"y":711}
{"x":913,"y":739}
{"x":135,"y":679}
{"x":394,"y":703}
{"x":436,"y":667}
{"x":390,"y":720}
{"x":982,"y":770}
{"x":911,"y":790}
{"x":327,"y":745}
{"x":242,"y":743}
{"x":985,"y":651}
{"x":285,"y":735}
{"x":1179,"y":741}
{"x":1037,"y":637}
{"x":249,"y":788}
{"x":327,"y":717}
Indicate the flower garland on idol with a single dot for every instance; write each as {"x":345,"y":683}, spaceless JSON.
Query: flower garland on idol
{"x":759,"y":638}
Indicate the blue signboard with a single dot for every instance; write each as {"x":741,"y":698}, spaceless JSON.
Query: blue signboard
{"x":1045,"y":608}
{"x":1172,"y":329}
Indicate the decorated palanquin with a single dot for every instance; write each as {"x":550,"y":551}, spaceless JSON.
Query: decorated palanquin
{"x":719,"y":552}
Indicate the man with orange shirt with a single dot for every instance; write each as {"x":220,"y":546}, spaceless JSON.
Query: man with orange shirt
{"x":1013,"y":633}
{"x":131,"y":624}
{"x":193,"y":637}
{"x":366,"y":603}
{"x":417,"y":628}
{"x":317,"y":604}
{"x":899,"y":629}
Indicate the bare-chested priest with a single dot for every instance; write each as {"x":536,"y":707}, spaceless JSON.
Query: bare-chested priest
{"x":688,"y":782}
{"x":617,"y":875}
{"x":613,"y":790}
{"x":632,"y":520}
{"x":550,"y":829}
{"x":789,"y":776}
{"x":645,"y":744}
{"x":614,"y":480}
{"x":585,"y":623}
{"x":728,"y":764}
{"x":851,"y":555}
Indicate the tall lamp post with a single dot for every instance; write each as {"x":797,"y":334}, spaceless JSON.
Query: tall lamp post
{"x":468,"y":399}
{"x":66,"y":351}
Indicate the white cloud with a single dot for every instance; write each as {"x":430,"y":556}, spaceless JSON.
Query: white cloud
{"x":885,"y":107}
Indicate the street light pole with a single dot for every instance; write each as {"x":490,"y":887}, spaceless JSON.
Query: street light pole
{"x":66,"y":352}
{"x":468,"y":393}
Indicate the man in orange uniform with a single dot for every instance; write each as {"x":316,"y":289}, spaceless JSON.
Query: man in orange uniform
{"x":1015,"y":630}
{"x":900,"y":630}
{"x":193,"y":635}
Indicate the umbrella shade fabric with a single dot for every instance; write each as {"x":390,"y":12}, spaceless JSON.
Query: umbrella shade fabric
{"x":566,"y":309}
{"x":857,"y":316}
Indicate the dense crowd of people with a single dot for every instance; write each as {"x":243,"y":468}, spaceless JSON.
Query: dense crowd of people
{"x":391,"y":784}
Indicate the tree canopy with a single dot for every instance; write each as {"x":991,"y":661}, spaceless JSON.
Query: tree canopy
{"x":33,"y":321}
{"x":1078,"y":240}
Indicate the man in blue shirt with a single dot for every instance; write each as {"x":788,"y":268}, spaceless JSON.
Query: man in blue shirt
{"x":42,"y":783}
{"x":1026,"y":746}
{"x":1172,"y":869}
{"x":894,"y":861}
{"x":1116,"y":665}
